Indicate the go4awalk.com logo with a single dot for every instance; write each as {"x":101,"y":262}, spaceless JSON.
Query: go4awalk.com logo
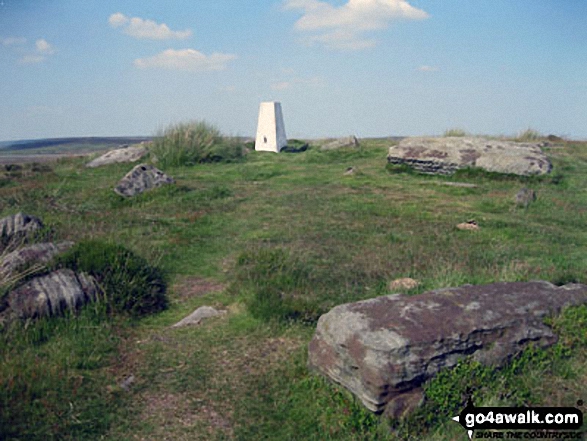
{"x":522,"y":422}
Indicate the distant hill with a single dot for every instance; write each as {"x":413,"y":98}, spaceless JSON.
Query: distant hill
{"x":69,"y":144}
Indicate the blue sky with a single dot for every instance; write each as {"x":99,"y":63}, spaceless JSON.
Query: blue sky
{"x":339,"y":67}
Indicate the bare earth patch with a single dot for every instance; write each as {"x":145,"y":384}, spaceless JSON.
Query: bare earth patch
{"x":191,"y":287}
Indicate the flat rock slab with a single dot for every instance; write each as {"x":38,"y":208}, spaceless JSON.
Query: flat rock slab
{"x":52,"y":294}
{"x":141,"y":178}
{"x":39,"y":253}
{"x":128,"y":154}
{"x":203,"y":312}
{"x":448,"y":154}
{"x":384,"y":349}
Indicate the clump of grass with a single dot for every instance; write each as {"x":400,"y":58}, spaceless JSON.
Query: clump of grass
{"x":275,"y":284}
{"x":529,"y":135}
{"x":455,"y":132}
{"x":129,"y":284}
{"x":192,"y":143}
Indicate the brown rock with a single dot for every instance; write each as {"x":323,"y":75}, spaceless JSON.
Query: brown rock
{"x":385,"y":348}
{"x":469,"y":225}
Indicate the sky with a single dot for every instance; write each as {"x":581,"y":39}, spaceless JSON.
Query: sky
{"x":371,"y":68}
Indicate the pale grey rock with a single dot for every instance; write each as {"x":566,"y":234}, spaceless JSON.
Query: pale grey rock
{"x":127,"y":154}
{"x":52,"y":294}
{"x":141,"y":178}
{"x":384,"y":349}
{"x":446,"y":155}
{"x":349,"y":141}
{"x":127,"y":382}
{"x":17,"y":229}
{"x":351,"y":171}
{"x":203,"y":312}
{"x":27,"y":256}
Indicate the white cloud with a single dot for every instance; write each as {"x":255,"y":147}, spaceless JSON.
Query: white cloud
{"x":12,"y":41}
{"x":428,"y":68}
{"x":283,"y":85}
{"x":185,"y":59}
{"x":118,"y":19}
{"x":342,"y":27}
{"x":43,"y":47}
{"x":146,"y":29}
{"x":42,"y":50}
{"x":32,"y":59}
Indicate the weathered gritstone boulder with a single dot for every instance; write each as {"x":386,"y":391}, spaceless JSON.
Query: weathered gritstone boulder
{"x":52,"y":294}
{"x":446,"y":155}
{"x":141,"y":178}
{"x":385,"y":348}
{"x":128,"y":154}
{"x":349,"y":141}
{"x":202,"y":313}
{"x":17,"y":228}
{"x":33,"y":254}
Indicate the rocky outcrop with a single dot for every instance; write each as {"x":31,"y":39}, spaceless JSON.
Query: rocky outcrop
{"x":39,"y":253}
{"x":203,"y":312}
{"x":128,"y":154}
{"x":141,"y":178}
{"x":17,"y":228}
{"x":385,"y":348}
{"x":51,"y":294}
{"x":349,"y":141}
{"x":446,"y":155}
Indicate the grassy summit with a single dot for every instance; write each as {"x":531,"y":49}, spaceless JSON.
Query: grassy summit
{"x":278,"y":239}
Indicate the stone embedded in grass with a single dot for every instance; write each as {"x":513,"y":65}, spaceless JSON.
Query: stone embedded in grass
{"x":141,"y":178}
{"x":51,"y":294}
{"x":334,"y":144}
{"x":384,"y":349}
{"x":203,"y":312}
{"x":403,"y":283}
{"x":128,"y":154}
{"x":17,"y":228}
{"x":39,"y":254}
{"x":525,"y":197}
{"x":446,"y":155}
{"x":471,"y":225}
{"x":350,"y":171}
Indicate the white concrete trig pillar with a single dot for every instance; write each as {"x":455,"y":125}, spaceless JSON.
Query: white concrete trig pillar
{"x":270,"y":129}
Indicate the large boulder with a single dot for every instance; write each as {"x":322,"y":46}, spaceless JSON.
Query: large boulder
{"x":128,"y":154}
{"x":334,"y":144}
{"x":51,"y":294}
{"x":385,"y":348}
{"x":141,"y":178}
{"x":38,"y":254}
{"x":17,"y":228}
{"x":446,"y":155}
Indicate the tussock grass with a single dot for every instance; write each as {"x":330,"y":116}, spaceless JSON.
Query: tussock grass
{"x":455,"y":132}
{"x":192,"y":143}
{"x":529,"y":135}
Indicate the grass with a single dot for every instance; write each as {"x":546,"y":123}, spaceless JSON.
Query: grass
{"x":282,"y":238}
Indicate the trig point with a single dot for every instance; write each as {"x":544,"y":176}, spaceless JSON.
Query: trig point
{"x":270,"y":130}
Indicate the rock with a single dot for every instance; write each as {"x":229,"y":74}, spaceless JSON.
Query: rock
{"x":141,"y":178}
{"x":446,"y":155}
{"x":127,"y":382}
{"x":525,"y":197}
{"x":39,"y":253}
{"x":52,"y":294}
{"x":469,"y":225}
{"x":124,"y":154}
{"x":17,"y":228}
{"x":403,"y":283}
{"x":349,"y":141}
{"x":384,"y":349}
{"x":203,"y":312}
{"x":350,"y":171}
